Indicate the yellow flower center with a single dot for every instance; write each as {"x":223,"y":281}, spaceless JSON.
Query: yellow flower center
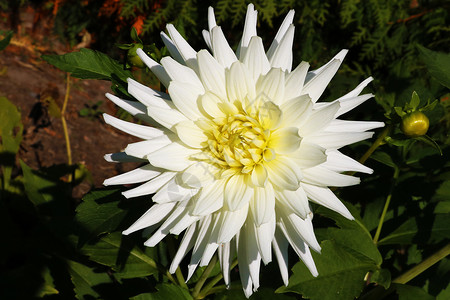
{"x":239,"y":142}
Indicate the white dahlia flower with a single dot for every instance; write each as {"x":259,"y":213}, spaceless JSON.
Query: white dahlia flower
{"x":237,"y":148}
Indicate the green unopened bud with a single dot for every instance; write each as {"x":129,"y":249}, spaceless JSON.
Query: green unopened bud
{"x":415,"y":124}
{"x":133,"y":58}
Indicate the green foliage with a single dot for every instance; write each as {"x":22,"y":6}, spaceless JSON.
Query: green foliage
{"x":89,"y":64}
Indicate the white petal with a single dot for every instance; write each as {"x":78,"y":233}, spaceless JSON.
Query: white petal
{"x":264,"y":236}
{"x":140,"y":131}
{"x":336,"y":140}
{"x":340,"y":56}
{"x":142,"y":149}
{"x":212,"y":73}
{"x":181,"y":73}
{"x":263,"y":204}
{"x":309,"y":155}
{"x":282,"y":57}
{"x":204,"y":232}
{"x":285,"y":140}
{"x":280,"y":247}
{"x":199,"y":174}
{"x":320,"y":175}
{"x":155,"y":67}
{"x":284,"y":174}
{"x":185,"y":246}
{"x":294,"y":202}
{"x":191,"y":134}
{"x":209,"y":199}
{"x":352,"y":126}
{"x":222,"y":51}
{"x":207,"y":38}
{"x":239,"y":83}
{"x":295,"y":81}
{"x":301,"y":248}
{"x":186,"y":98}
{"x":317,"y":85}
{"x":154,"y":215}
{"x":172,"y":157}
{"x":148,"y":96}
{"x":230,"y":223}
{"x":255,"y":58}
{"x":319,"y":119}
{"x":325,"y":197}
{"x":357,"y":90}
{"x":187,"y":52}
{"x":135,"y":108}
{"x":252,"y":252}
{"x":141,"y":174}
{"x":296,"y":226}
{"x":172,"y":48}
{"x":272,"y":85}
{"x":173,"y":192}
{"x":296,"y":111}
{"x":281,"y":32}
{"x":211,"y":103}
{"x":339,"y":162}
{"x":249,"y":30}
{"x":211,"y":18}
{"x":150,"y":187}
{"x":177,"y":214}
{"x":166,"y":117}
{"x":348,"y":104}
{"x":237,"y":192}
{"x":226,"y":254}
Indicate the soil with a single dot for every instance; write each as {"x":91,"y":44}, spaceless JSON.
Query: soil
{"x":27,"y":81}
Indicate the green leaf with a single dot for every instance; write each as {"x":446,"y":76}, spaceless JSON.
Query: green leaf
{"x":89,"y":64}
{"x":341,"y":275}
{"x":415,"y":101}
{"x":99,"y":213}
{"x":438,"y":64}
{"x":10,"y":137}
{"x":5,"y":41}
{"x":381,"y":277}
{"x":409,"y":232}
{"x":408,"y":292}
{"x":48,"y":287}
{"x":129,"y":261}
{"x":84,"y":279}
{"x":37,"y":187}
{"x":383,"y":158}
{"x":165,"y":291}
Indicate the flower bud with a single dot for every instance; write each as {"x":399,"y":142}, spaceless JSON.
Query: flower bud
{"x":415,"y":124}
{"x":133,"y":58}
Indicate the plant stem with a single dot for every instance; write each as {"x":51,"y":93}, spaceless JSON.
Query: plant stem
{"x":64,"y":124}
{"x":386,"y":206}
{"x":208,"y":289}
{"x":378,"y":142}
{"x":201,"y":281}
{"x":424,"y":265}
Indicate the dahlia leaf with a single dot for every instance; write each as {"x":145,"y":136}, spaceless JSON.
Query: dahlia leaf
{"x":336,"y":265}
{"x":408,"y":292}
{"x":411,"y":231}
{"x":115,"y":251}
{"x":89,"y":64}
{"x":85,"y":279}
{"x":97,"y":216}
{"x":165,"y":291}
{"x":438,"y":65}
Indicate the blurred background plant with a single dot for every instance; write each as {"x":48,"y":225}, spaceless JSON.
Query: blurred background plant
{"x":60,"y":247}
